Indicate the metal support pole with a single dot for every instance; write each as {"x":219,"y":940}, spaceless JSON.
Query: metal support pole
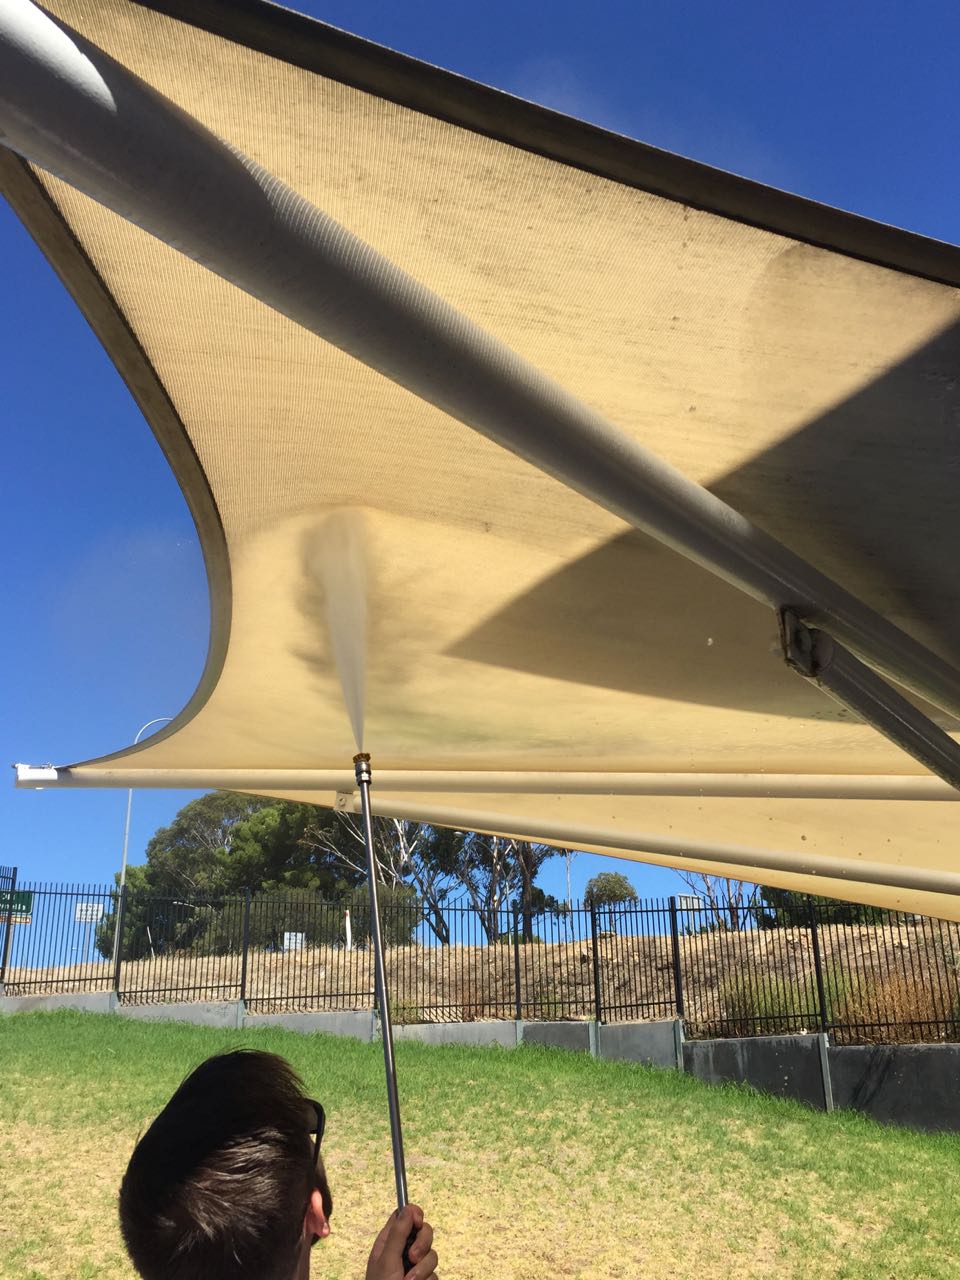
{"x":364,"y":780}
{"x":118,"y":939}
{"x":823,"y":1047}
{"x":597,"y":989}
{"x":245,"y":944}
{"x":678,"y":1042}
{"x":516,"y":964}
{"x":818,"y":964}
{"x":820,"y":658}
{"x":123,"y":861}
{"x":126,"y":825}
{"x":8,"y":931}
{"x":675,"y":947}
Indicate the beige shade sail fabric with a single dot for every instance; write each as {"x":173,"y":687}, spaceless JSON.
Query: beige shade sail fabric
{"x":383,"y":576}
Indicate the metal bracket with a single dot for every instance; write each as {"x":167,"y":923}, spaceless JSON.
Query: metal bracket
{"x":805,"y":649}
{"x":35,"y":775}
{"x":819,"y":657}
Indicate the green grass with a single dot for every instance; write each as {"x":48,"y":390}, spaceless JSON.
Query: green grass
{"x":531,"y":1163}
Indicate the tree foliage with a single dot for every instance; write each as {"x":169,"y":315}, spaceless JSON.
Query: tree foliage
{"x":411,"y":855}
{"x":494,"y":872}
{"x":185,"y":895}
{"x":290,"y":856}
{"x":606,"y":894}
{"x":608,"y":887}
{"x":224,"y":843}
{"x":784,"y":909}
{"x":498,"y":872}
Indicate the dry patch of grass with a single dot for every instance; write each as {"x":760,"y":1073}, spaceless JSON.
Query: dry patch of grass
{"x":531,"y":1163}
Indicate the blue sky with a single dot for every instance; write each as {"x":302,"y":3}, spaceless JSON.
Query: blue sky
{"x":106,"y":616}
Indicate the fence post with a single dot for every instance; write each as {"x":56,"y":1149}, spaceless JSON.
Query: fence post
{"x":675,"y":946}
{"x":118,"y":950}
{"x":597,"y":990}
{"x":245,"y":944}
{"x":516,"y":964}
{"x":818,"y":965}
{"x":8,"y":932}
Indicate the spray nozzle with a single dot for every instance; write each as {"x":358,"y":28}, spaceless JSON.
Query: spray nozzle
{"x":361,"y":763}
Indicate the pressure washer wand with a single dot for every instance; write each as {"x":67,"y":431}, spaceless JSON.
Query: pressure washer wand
{"x":364,"y":781}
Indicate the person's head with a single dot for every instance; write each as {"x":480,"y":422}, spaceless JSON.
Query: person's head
{"x":227,"y":1183}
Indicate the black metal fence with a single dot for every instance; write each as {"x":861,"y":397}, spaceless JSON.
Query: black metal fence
{"x":728,"y":971}
{"x":8,"y":887}
{"x":51,"y":934}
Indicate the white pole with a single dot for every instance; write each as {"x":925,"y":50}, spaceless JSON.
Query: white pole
{"x":126,"y":834}
{"x":126,"y":840}
{"x":767,"y":786}
{"x":348,"y":928}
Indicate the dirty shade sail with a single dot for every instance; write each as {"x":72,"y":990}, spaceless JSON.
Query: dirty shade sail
{"x":413,"y":461}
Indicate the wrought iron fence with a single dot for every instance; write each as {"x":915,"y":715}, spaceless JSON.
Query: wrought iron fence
{"x":727,"y":970}
{"x":51,"y":938}
{"x":178,"y":948}
{"x":8,"y":887}
{"x":812,"y":966}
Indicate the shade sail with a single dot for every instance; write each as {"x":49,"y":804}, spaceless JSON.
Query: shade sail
{"x":379,"y":570}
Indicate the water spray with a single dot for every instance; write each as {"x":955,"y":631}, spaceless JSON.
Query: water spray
{"x":337,"y":561}
{"x":364,"y":781}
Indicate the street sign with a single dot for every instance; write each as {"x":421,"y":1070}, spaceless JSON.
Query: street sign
{"x":87,"y":912}
{"x":22,"y":903}
{"x":687,"y":902}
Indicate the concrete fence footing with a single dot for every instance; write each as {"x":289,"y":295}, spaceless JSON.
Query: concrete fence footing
{"x":82,"y":1001}
{"x":912,"y":1085}
{"x":359,"y":1024}
{"x":474,"y":1034}
{"x":204,"y":1013}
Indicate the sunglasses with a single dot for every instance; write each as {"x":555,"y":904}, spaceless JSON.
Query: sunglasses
{"x":317,"y":1128}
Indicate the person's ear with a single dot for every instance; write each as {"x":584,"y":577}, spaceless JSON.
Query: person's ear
{"x":315,"y":1220}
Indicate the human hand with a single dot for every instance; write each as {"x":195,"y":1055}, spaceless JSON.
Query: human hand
{"x":386,"y":1256}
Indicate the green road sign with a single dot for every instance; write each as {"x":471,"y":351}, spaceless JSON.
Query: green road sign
{"x":22,"y":903}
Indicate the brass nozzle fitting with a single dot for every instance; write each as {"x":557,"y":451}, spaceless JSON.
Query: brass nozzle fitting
{"x":361,"y":762}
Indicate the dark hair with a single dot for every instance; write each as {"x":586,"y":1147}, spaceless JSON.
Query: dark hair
{"x":218,"y":1186}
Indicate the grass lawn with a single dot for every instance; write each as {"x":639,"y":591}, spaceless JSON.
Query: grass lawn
{"x":532,"y":1164}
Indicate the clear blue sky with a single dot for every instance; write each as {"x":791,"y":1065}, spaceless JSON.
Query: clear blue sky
{"x":105,"y":602}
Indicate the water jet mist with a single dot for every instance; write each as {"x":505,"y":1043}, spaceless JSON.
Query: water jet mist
{"x":337,"y":560}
